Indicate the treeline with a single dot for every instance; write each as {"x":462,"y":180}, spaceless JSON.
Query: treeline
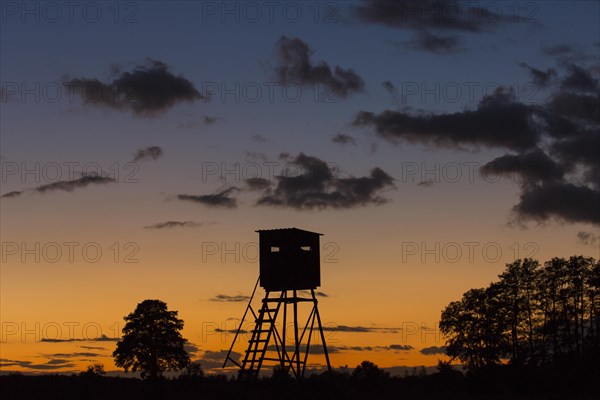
{"x":366,"y":381}
{"x":535,"y":315}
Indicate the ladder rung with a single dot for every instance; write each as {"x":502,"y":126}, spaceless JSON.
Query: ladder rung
{"x":257,"y":340}
{"x":261,"y":330}
{"x":269,"y":309}
{"x":263,"y":320}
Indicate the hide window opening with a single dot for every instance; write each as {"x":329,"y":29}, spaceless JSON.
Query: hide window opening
{"x":274,"y":249}
{"x":305,"y":248}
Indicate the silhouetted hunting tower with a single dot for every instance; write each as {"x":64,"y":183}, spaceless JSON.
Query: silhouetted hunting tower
{"x":289,"y":262}
{"x":289,"y":259}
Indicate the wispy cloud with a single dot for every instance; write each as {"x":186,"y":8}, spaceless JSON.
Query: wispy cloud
{"x":342,"y":138}
{"x":149,"y":153}
{"x":295,"y":66}
{"x":102,"y":338}
{"x":434,"y":43}
{"x":230,"y":299}
{"x":178,"y":224}
{"x":50,"y":365}
{"x":208,"y":120}
{"x":214,"y":359}
{"x":221,"y":198}
{"x":65,"y":186}
{"x":433,"y":350}
{"x":588,"y":238}
{"x":360,"y":329}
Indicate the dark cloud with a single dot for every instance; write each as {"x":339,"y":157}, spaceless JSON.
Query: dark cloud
{"x":318,"y":349}
{"x":220,"y":199}
{"x":342,"y":138}
{"x":295,"y":66}
{"x":15,"y":193}
{"x":191,"y":349}
{"x":389,"y":86}
{"x":230,"y":299}
{"x":399,"y":347}
{"x":258,"y":138}
{"x":527,"y":168}
{"x":65,"y":186}
{"x":72,"y":355}
{"x":580,"y":151}
{"x":208,"y":120}
{"x":214,"y":359}
{"x":443,"y":15}
{"x":569,"y":105}
{"x":259,"y":184}
{"x":345,"y":328}
{"x":69,"y":186}
{"x":102,"y":338}
{"x":317,"y":187}
{"x":553,"y":145}
{"x":148,"y":90}
{"x":177,"y":224}
{"x":93,"y":347}
{"x":562,"y":201}
{"x":307,"y":293}
{"x":233,"y":331}
{"x":314,"y":348}
{"x":48,"y":366}
{"x":588,"y":238}
{"x":434,"y":43}
{"x":429,"y":351}
{"x":426,"y":184}
{"x":149,"y":153}
{"x":558,"y":50}
{"x":352,"y":348}
{"x":359,"y":329}
{"x":540,"y":78}
{"x":438,"y":25}
{"x":580,"y":79}
{"x":497,"y":122}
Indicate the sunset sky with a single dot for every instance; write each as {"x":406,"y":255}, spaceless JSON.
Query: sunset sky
{"x":144,"y":143}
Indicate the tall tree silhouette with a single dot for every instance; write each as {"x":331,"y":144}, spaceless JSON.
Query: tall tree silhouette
{"x":475,"y":327}
{"x":518,"y":295}
{"x":151,"y":341}
{"x":533,"y":315}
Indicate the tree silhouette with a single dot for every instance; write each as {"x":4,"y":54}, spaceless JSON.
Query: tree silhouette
{"x":151,"y":341}
{"x":535,"y":315}
{"x":93,"y":370}
{"x":369,"y":372}
{"x":475,"y":327}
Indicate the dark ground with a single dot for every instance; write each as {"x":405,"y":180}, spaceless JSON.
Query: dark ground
{"x":498,"y":383}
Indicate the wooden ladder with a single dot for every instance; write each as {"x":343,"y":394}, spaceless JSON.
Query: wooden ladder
{"x":261,"y":336}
